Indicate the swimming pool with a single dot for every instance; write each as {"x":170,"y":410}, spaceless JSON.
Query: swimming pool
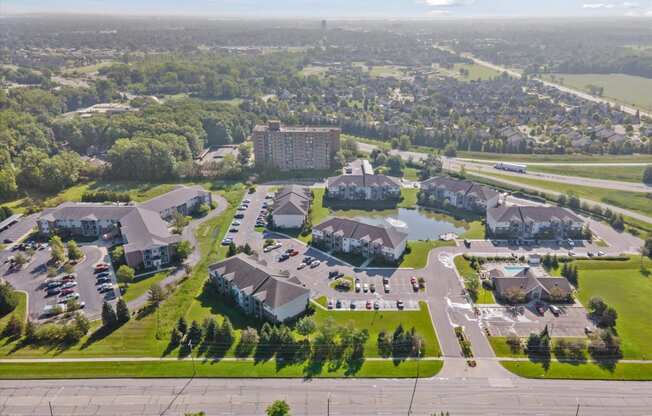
{"x":513,"y":270}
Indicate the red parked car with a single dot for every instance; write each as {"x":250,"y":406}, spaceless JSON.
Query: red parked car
{"x":293,"y":253}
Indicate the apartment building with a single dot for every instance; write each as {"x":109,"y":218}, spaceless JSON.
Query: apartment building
{"x":532,"y":284}
{"x":462,"y":194}
{"x":291,"y":206}
{"x":362,"y":184}
{"x":257,"y":290}
{"x":295,"y":147}
{"x":145,"y":235}
{"x":350,"y":236}
{"x":533,"y":222}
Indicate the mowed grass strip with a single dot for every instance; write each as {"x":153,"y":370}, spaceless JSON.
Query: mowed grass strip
{"x":514,"y":157}
{"x":214,"y":369}
{"x":632,"y":174}
{"x":587,"y":371}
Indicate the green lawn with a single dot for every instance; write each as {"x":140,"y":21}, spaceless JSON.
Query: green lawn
{"x":475,"y":72}
{"x":502,"y":349}
{"x":418,"y":255}
{"x":318,"y":71}
{"x":627,"y":288}
{"x":141,"y":285}
{"x":588,"y":371}
{"x":209,"y":368}
{"x":409,"y":198}
{"x":387,"y":71}
{"x":615,"y":173}
{"x":476,"y":230}
{"x":411,"y":174}
{"x":377,"y":321}
{"x":633,"y":201}
{"x":626,"y":89}
{"x":464,"y":269}
{"x":20,"y":312}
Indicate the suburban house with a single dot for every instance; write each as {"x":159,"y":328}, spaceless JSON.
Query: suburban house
{"x":258,"y":291}
{"x":531,"y":284}
{"x":462,"y":194}
{"x":145,"y":234}
{"x":533,"y":222}
{"x":291,"y":206}
{"x":362,"y":184}
{"x":350,"y":236}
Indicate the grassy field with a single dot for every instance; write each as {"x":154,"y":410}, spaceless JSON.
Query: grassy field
{"x":417,"y":258}
{"x":587,"y":371}
{"x":626,"y":89}
{"x":475,"y":72}
{"x":633,"y":201}
{"x":627,"y":287}
{"x":502,"y":349}
{"x":315,"y":70}
{"x":387,"y":71}
{"x":210,"y":368}
{"x":614,"y":173}
{"x":88,"y":69}
{"x":464,"y":269}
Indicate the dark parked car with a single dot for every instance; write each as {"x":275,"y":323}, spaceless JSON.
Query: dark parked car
{"x":54,"y":291}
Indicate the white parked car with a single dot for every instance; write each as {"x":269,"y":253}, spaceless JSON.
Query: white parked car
{"x":315,"y":264}
{"x":301,"y":266}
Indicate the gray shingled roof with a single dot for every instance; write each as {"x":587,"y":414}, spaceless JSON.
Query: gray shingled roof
{"x":348,"y":228}
{"x":140,"y":225}
{"x":462,"y":186}
{"x":534,"y":213}
{"x":292,"y":200}
{"x":176,"y":197}
{"x":257,"y":280}
{"x":362,"y":180}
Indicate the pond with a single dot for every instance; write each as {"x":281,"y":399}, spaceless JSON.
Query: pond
{"x":421,"y":224}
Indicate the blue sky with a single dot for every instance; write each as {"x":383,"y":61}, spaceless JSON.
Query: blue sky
{"x":340,"y":8}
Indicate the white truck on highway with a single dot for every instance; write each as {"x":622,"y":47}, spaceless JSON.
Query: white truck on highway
{"x":512,"y":167}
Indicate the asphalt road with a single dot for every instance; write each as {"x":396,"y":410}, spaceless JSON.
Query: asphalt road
{"x":459,"y":396}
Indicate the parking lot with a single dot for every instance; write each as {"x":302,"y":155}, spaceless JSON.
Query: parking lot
{"x":31,"y":278}
{"x":246,"y":225}
{"x":18,"y":230}
{"x":502,"y":321}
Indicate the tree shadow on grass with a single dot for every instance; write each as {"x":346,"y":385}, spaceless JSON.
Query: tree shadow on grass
{"x":99,"y":334}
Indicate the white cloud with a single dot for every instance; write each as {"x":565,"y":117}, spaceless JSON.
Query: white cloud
{"x":446,"y":3}
{"x":598,"y":6}
{"x":439,"y":13}
{"x":630,"y":5}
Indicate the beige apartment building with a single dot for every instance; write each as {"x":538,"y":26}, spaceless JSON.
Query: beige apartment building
{"x":295,"y":147}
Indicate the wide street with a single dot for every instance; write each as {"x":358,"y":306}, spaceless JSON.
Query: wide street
{"x":469,"y":395}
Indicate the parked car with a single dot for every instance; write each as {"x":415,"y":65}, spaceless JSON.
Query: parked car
{"x":600,"y":253}
{"x":338,"y":304}
{"x":100,"y":269}
{"x":103,"y":280}
{"x":368,"y":304}
{"x":67,"y":291}
{"x":372,"y":288}
{"x":357,"y":285}
{"x":386,"y":287}
{"x":69,"y":277}
{"x":52,"y":292}
{"x":293,"y":253}
{"x":236,"y":223}
{"x":555,"y":310}
{"x":68,"y":298}
{"x":103,"y":274}
{"x":365,"y":287}
{"x":105,"y":287}
{"x":540,"y":307}
{"x":315,"y":264}
{"x":238,"y":216}
{"x":301,"y":266}
{"x":334,"y":274}
{"x":330,"y":304}
{"x":233,"y":230}
{"x":399,"y":304}
{"x":283,"y":257}
{"x":415,"y":286}
{"x":272,"y":247}
{"x":385,"y":279}
{"x":308,"y":260}
{"x":68,"y":285}
{"x":376,"y":305}
{"x":54,"y":283}
{"x":227,"y":241}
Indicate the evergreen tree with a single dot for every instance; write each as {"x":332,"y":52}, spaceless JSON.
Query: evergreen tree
{"x":182,"y":326}
{"x":122,"y":311}
{"x":226,"y":332}
{"x":109,"y":318}
{"x":194,"y":333}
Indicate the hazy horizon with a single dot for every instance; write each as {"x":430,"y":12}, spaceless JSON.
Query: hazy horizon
{"x":423,"y":9}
